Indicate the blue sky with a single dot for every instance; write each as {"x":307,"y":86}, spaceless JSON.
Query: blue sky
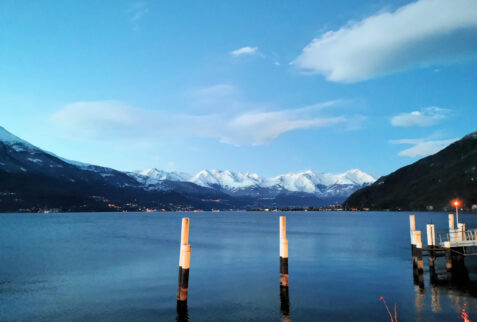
{"x":263,"y":86}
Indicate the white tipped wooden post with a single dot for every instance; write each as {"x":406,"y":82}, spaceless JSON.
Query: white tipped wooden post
{"x":461,"y":229}
{"x":283,"y":252}
{"x":184,"y":262}
{"x":431,"y":235}
{"x":412,"y":229}
{"x":418,"y":239}
{"x":452,"y":232}
{"x":185,"y":231}
{"x":451,"y":221}
{"x":418,"y":257}
{"x":431,"y":243}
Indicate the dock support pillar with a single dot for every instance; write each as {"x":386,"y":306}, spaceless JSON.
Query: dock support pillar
{"x":451,"y":222}
{"x":455,"y":264}
{"x":431,"y":244}
{"x":452,"y":231}
{"x":419,"y":260}
{"x":184,"y":262}
{"x":412,"y":228}
{"x":461,"y":230}
{"x":283,"y":252}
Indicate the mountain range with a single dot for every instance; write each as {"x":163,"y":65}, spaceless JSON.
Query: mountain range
{"x":32,"y":179}
{"x":250,"y":184}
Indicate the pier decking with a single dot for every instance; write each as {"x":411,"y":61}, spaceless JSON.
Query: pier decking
{"x":454,"y":245}
{"x":459,"y":238}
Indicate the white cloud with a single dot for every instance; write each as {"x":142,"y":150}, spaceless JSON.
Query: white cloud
{"x":259,"y":128}
{"x":426,"y":117}
{"x":215,"y":93}
{"x":422,"y":147}
{"x":247,"y":50}
{"x":248,"y":124}
{"x":92,"y":119}
{"x":421,"y":33}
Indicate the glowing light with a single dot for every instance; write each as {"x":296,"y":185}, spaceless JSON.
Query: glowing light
{"x":456,"y":202}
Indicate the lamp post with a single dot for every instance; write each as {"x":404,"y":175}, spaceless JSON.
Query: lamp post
{"x":456,"y":204}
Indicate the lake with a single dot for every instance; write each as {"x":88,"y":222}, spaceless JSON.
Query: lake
{"x":124,"y":267}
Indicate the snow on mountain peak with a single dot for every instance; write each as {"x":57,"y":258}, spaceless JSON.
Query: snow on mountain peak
{"x":306,"y":181}
{"x":357,"y":176}
{"x":225,"y":179}
{"x":10,"y":139}
{"x":153,"y":175}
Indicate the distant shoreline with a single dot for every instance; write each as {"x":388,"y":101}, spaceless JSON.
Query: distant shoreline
{"x":231,"y":211}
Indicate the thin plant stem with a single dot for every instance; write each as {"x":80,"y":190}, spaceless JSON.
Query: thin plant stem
{"x":387,"y":309}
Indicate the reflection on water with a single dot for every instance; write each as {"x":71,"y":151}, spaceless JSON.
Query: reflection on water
{"x":123,"y":267}
{"x":182,"y":311}
{"x":452,"y":277}
{"x":420,"y":297}
{"x":436,"y":303}
{"x":285,"y":303}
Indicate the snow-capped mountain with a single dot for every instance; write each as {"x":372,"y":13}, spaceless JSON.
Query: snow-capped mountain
{"x":227,"y":180}
{"x":324,"y":184}
{"x":238,"y":183}
{"x":317,"y":183}
{"x":154,"y":176}
{"x":17,"y":155}
{"x":34,"y":178}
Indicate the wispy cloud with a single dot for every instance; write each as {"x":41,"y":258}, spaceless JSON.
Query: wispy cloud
{"x":216,"y":93}
{"x":258,"y":128}
{"x":421,"y":33}
{"x":423,"y":146}
{"x":136,"y":12}
{"x":247,"y":50}
{"x":98,"y":119}
{"x":425,"y":117}
{"x":251,"y":124}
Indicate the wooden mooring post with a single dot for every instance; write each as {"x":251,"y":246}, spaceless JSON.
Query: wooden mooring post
{"x":416,"y":252}
{"x":412,"y":224}
{"x":283,"y":252}
{"x":416,"y":245}
{"x":284,"y":293}
{"x":431,"y":246}
{"x":184,"y":262}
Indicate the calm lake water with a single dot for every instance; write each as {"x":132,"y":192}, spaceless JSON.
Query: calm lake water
{"x":123,"y":267}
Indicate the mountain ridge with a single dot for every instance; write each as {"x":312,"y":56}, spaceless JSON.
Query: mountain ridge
{"x":427,"y":184}
{"x":303,"y":181}
{"x":32,"y":178}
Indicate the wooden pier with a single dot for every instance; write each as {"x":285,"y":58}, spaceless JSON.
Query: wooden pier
{"x":454,"y":246}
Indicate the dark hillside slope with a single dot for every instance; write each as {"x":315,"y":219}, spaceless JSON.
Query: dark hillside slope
{"x":430,"y":182}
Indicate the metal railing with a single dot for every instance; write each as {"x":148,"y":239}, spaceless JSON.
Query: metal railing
{"x":458,"y":235}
